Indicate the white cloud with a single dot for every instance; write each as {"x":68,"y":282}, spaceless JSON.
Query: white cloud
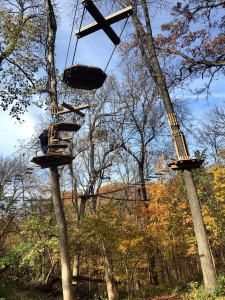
{"x":12,"y":131}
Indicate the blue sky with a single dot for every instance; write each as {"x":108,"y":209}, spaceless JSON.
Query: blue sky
{"x":94,"y":50}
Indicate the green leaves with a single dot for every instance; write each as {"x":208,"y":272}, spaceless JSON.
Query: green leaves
{"x":20,"y":56}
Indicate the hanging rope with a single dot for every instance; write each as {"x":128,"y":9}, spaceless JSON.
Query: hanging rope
{"x":79,"y":30}
{"x":115,"y":46}
{"x":71,"y":33}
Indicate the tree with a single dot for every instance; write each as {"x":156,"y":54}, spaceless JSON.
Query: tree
{"x":144,"y":40}
{"x":22,"y":30}
{"x":141,"y":121}
{"x":95,"y":153}
{"x":68,"y":293}
{"x":195,"y":39}
{"x":210,"y":133}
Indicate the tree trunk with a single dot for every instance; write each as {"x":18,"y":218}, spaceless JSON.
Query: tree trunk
{"x":76,"y":266}
{"x":205,"y":255}
{"x":58,"y":207}
{"x":110,"y":284}
{"x":63,"y":240}
{"x":74,"y":193}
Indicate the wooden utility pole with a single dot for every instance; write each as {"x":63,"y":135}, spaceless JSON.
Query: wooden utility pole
{"x":184,"y":163}
{"x":66,"y":274}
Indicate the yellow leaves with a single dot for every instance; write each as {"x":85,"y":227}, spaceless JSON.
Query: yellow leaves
{"x":218,"y":172}
{"x":192,"y":249}
{"x":131,"y":245}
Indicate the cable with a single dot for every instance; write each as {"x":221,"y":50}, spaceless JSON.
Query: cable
{"x":71,"y":33}
{"x":115,"y":46}
{"x":79,"y":31}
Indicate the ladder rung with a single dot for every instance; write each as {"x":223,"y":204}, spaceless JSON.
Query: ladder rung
{"x":67,"y":138}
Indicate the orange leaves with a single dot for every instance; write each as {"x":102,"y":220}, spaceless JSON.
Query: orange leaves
{"x":205,"y":45}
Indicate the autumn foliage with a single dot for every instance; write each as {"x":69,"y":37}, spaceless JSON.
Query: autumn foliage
{"x":146,"y":241}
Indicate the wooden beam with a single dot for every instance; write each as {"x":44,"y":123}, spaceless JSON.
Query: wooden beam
{"x":57,"y":146}
{"x":84,"y":106}
{"x":111,"y":19}
{"x":73,"y":109}
{"x":95,"y":13}
{"x":67,"y":139}
{"x":65,"y":111}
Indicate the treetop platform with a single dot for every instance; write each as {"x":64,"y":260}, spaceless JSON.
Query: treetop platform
{"x":191,"y":163}
{"x":52,"y":159}
{"x":66,"y":126}
{"x":84,"y":77}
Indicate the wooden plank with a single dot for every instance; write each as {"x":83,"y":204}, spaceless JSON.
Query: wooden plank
{"x":75,"y":109}
{"x":95,"y":13}
{"x":80,"y":107}
{"x":66,"y":139}
{"x":72,"y":109}
{"x":188,"y":164}
{"x":111,"y":19}
{"x":65,"y":111}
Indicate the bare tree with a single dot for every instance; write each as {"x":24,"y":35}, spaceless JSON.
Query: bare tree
{"x":143,"y":39}
{"x":210,"y":134}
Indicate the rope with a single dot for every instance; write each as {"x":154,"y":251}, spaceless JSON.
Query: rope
{"x":115,"y":46}
{"x":71,"y":38}
{"x":79,"y":31}
{"x":71,"y":34}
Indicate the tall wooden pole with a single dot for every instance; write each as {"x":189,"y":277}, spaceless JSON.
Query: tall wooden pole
{"x":149,"y":55}
{"x":66,"y":274}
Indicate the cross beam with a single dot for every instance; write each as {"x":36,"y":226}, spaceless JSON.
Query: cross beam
{"x":103,"y":23}
{"x":73,"y":109}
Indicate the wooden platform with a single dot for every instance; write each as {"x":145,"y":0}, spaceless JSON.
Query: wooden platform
{"x":188,"y":164}
{"x":58,"y":146}
{"x":84,"y":77}
{"x":66,"y":127}
{"x":52,"y":159}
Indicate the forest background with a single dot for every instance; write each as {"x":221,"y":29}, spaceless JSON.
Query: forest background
{"x":149,"y":237}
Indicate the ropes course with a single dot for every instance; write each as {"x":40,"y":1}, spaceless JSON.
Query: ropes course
{"x":87,"y":77}
{"x":78,"y":77}
{"x":110,"y":192}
